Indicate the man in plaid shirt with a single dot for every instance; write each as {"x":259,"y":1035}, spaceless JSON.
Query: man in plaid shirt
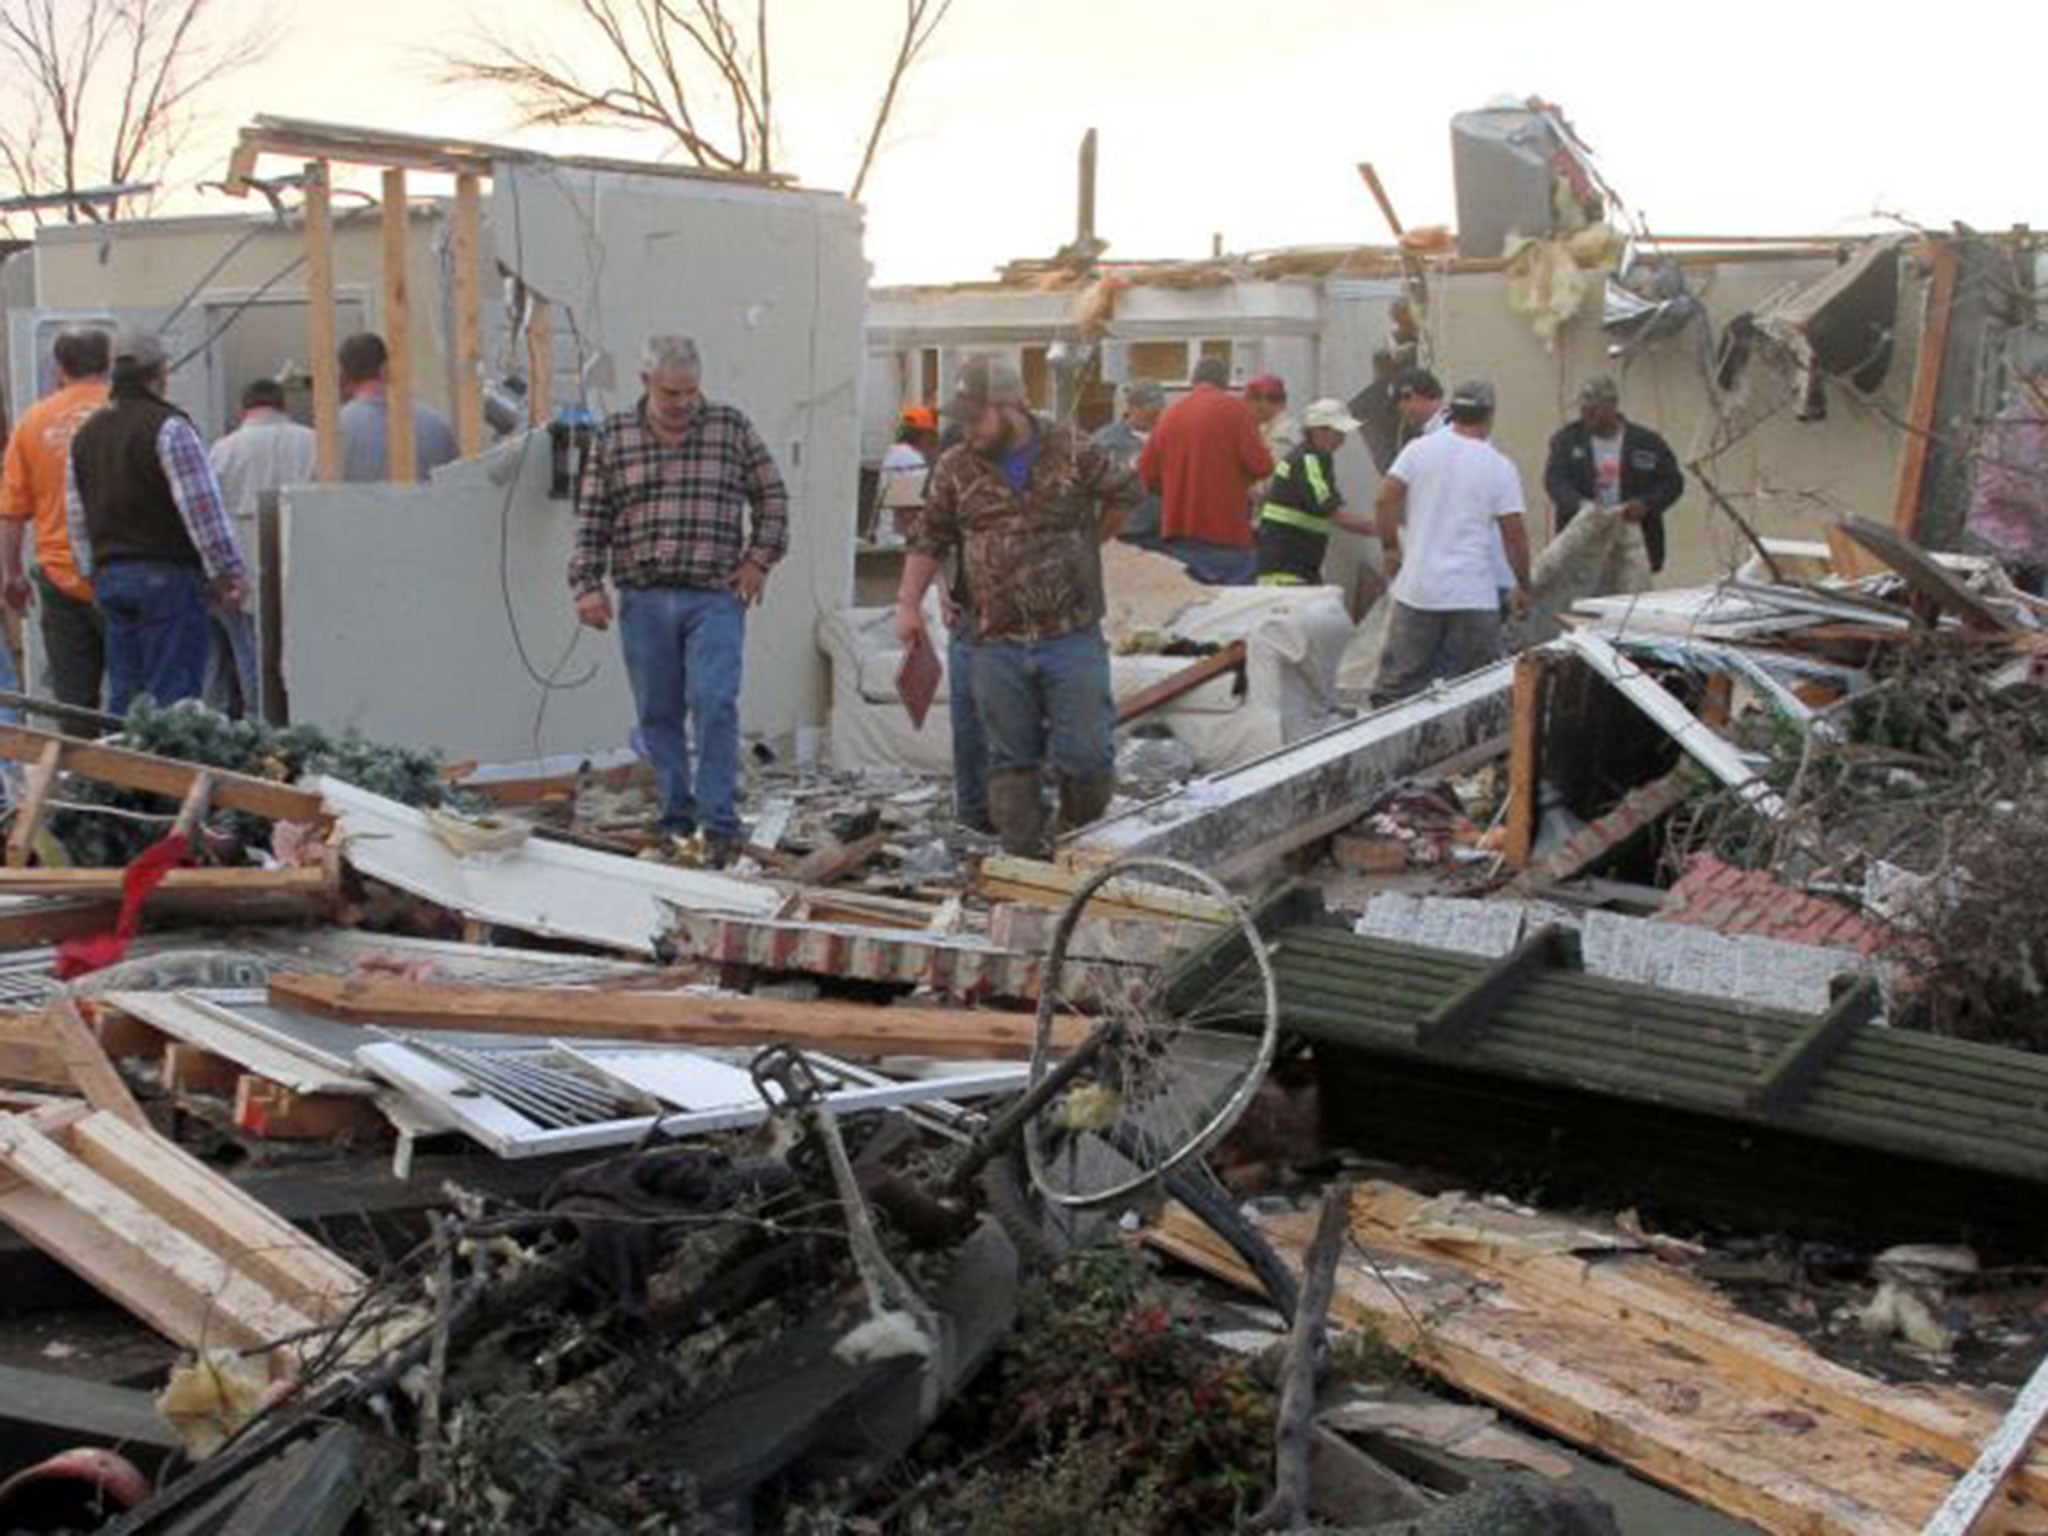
{"x":664,"y":508}
{"x":150,"y":531}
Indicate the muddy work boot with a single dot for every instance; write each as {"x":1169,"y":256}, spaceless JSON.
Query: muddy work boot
{"x":1083,"y":800}
{"x":1018,"y":811}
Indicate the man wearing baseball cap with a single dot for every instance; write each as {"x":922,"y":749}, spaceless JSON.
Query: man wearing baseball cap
{"x":1450,"y":502}
{"x":1605,"y":460}
{"x":151,"y":532}
{"x":1124,"y":441}
{"x":1026,"y":506}
{"x":1303,"y":503}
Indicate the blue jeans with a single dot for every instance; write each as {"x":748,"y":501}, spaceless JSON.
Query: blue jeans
{"x":970,"y":741}
{"x":233,"y":675}
{"x":158,"y":637}
{"x":683,"y":647}
{"x":1043,"y":699}
{"x":1216,"y":565}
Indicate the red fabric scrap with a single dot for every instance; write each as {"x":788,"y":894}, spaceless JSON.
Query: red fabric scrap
{"x":81,"y":957}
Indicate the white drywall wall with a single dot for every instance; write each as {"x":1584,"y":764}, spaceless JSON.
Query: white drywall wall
{"x":397,"y":621}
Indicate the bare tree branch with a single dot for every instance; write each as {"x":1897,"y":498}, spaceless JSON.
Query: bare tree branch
{"x":674,"y":68}
{"x":105,"y":89}
{"x":921,"y":19}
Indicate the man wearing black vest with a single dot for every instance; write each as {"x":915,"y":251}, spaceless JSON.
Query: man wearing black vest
{"x":150,"y":530}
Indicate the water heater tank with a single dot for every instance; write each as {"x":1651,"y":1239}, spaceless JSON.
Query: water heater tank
{"x":1502,"y":159}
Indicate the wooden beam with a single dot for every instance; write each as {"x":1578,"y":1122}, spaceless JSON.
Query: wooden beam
{"x":89,"y":1065}
{"x":224,"y":883}
{"x":670,"y":1018}
{"x":469,"y":333}
{"x":1460,"y":1018}
{"x":1183,"y":682}
{"x":398,"y":393}
{"x":836,"y":860}
{"x":1525,"y":747}
{"x":540,"y":361}
{"x":28,"y":1053}
{"x":1787,"y":1081}
{"x":28,"y":816}
{"x":322,"y":344}
{"x":1920,"y":422}
{"x":34,"y":925}
{"x":190,"y":1069}
{"x":164,"y":775}
{"x":1371,"y":178}
{"x":1055,"y":884}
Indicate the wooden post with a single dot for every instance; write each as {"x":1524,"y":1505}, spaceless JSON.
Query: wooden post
{"x":1941,"y":303}
{"x":469,"y":342}
{"x":320,"y":338}
{"x":540,"y":361}
{"x":1525,"y":740}
{"x":397,"y":332}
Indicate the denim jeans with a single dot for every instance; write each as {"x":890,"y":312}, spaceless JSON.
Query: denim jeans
{"x":683,"y":648}
{"x":233,"y":673}
{"x":158,"y":637}
{"x":1216,"y":565}
{"x":970,"y":741}
{"x":1048,"y":699}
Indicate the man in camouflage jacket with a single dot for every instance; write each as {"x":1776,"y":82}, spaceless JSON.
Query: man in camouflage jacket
{"x":1026,"y":506}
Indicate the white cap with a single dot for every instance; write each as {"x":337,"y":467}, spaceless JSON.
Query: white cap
{"x":1330,"y":413}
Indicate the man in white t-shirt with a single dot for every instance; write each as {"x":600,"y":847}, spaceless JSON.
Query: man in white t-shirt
{"x":1449,"y":508}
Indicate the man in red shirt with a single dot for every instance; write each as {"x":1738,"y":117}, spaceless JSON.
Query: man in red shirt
{"x":1202,"y":460}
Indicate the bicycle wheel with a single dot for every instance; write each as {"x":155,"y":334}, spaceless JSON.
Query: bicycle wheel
{"x":1187,"y":1041}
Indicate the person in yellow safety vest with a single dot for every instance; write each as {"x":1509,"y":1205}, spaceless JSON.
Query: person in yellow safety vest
{"x":1303,"y":503}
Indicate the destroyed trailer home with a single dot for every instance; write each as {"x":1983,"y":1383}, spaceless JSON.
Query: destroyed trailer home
{"x":400,"y":1133}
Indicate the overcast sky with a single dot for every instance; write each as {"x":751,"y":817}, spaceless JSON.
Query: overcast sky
{"x":1247,"y":119}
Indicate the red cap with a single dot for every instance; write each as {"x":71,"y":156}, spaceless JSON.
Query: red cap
{"x":921,"y":418}
{"x":1267,"y":384}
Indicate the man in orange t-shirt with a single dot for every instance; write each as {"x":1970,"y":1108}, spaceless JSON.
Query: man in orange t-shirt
{"x":32,"y":491}
{"x":1202,"y":460}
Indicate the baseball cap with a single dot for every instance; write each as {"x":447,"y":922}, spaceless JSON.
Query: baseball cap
{"x":1474,"y":395}
{"x":1270,"y":385}
{"x":1330,"y":413}
{"x":1419,"y":382}
{"x":1599,"y":387}
{"x":1144,"y":395}
{"x":984,"y":381}
{"x":138,"y":350}
{"x":922,"y":418}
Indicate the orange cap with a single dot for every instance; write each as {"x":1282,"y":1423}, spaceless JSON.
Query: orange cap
{"x":922,"y":417}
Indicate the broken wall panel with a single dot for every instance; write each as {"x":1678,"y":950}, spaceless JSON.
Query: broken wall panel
{"x":772,"y":285}
{"x":1227,"y":822}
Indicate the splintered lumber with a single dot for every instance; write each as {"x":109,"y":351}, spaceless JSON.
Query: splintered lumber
{"x":171,"y":1241}
{"x":835,"y":860}
{"x":1007,"y":877}
{"x":1733,"y":1439}
{"x":163,"y":775}
{"x":89,"y":1065}
{"x":1180,"y":684}
{"x":673,"y":1018}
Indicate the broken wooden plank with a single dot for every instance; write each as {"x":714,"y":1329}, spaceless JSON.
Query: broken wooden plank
{"x":90,"y":1068}
{"x":163,"y":775}
{"x":1926,"y":579}
{"x":200,"y":1203}
{"x":35,"y":797}
{"x":1685,"y":1316}
{"x":835,"y":861}
{"x":1127,"y":896}
{"x":670,"y":1017}
{"x":1182,"y":683}
{"x":1768,"y":1459}
{"x":103,"y":1232}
